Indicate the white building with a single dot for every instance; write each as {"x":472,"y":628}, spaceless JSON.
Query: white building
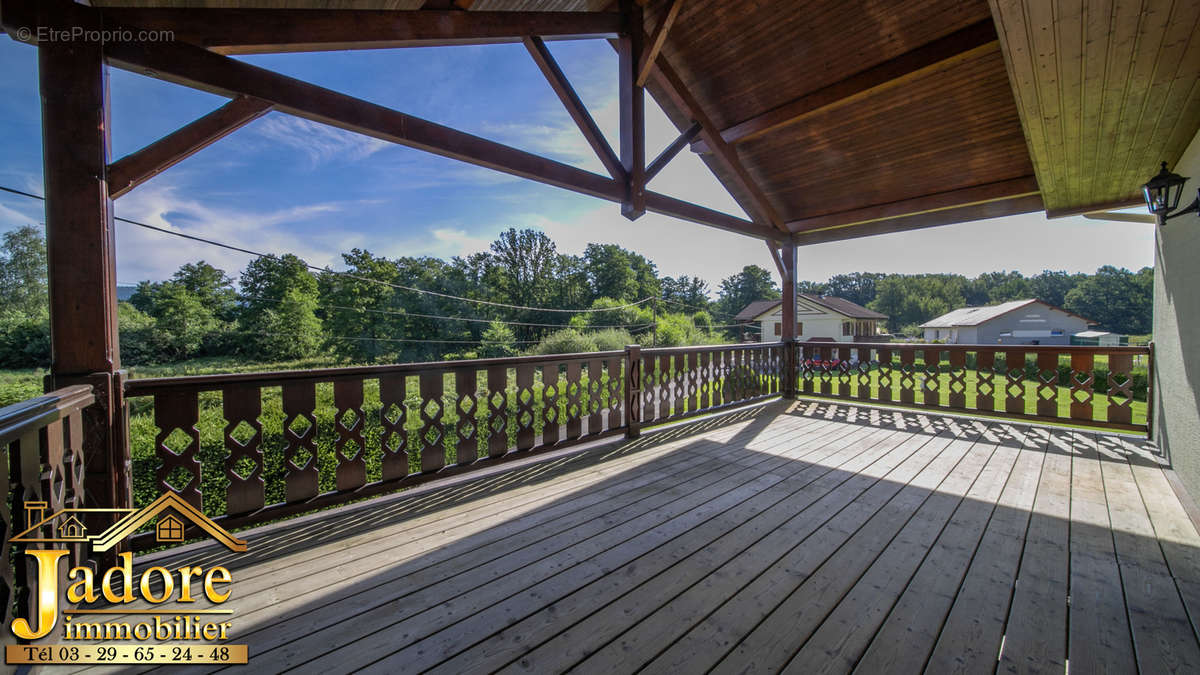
{"x":1019,"y":322}
{"x":819,"y":318}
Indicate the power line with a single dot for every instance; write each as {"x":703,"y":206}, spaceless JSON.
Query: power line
{"x":349,"y":275}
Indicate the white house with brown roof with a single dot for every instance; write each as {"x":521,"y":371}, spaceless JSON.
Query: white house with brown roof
{"x":820,"y":318}
{"x":1019,"y":322}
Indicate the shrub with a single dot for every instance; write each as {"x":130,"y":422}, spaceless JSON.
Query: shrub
{"x":566,"y":341}
{"x":24,"y":343}
{"x":612,"y":339}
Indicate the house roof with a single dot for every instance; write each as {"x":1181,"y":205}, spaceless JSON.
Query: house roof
{"x":841,"y":306}
{"x":974,"y":316}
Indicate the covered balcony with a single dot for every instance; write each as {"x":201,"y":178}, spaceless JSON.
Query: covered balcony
{"x":780,"y":506}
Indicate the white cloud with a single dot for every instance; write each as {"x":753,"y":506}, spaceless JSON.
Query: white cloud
{"x":320,"y":143}
{"x":145,"y":254}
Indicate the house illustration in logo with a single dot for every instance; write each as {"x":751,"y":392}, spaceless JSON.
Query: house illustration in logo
{"x":171,"y":511}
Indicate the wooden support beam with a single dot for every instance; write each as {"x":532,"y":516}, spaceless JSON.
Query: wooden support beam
{"x":759,"y":207}
{"x":646,"y":63}
{"x":951,"y":199}
{"x":575,"y":108}
{"x":939,"y":54}
{"x":138,"y":167}
{"x":81,"y":257}
{"x":671,"y":150}
{"x":788,"y":284}
{"x":992,"y":209}
{"x":630,"y":47}
{"x":256,"y":31}
{"x":773,"y":250}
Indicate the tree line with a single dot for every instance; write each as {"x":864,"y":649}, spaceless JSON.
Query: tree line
{"x":422,"y":308}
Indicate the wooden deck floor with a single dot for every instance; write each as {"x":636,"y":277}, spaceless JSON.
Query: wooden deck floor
{"x":799,"y":537}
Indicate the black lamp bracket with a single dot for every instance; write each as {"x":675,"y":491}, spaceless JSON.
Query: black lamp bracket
{"x":1194,"y":207}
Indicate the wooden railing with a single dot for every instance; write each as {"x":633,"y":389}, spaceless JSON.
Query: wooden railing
{"x":248,"y":448}
{"x":1097,"y":386}
{"x":41,"y":440}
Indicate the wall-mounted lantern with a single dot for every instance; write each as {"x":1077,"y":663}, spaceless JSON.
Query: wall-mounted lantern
{"x":1162,"y":195}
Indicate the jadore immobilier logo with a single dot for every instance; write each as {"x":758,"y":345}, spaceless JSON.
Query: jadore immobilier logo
{"x":114,"y":616}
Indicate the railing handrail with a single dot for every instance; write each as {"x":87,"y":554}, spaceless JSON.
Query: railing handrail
{"x":19,"y":419}
{"x":1061,"y":349}
{"x":153,"y":385}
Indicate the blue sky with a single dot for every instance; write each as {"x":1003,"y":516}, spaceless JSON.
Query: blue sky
{"x":282,"y":184}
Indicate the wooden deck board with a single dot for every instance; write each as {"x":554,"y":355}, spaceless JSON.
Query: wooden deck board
{"x":812,"y":537}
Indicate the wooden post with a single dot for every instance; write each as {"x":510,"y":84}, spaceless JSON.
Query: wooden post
{"x":81,"y":256}
{"x":633,"y":391}
{"x":788,"y":334}
{"x":633,"y":110}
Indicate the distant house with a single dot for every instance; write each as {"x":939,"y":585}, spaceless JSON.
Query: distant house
{"x":1019,"y":322}
{"x":821,"y":318}
{"x":1099,"y":338}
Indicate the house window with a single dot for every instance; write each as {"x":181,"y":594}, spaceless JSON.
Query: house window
{"x":847,"y":328}
{"x":169,"y":529}
{"x":799,"y":328}
{"x":778,"y":328}
{"x":1056,"y":331}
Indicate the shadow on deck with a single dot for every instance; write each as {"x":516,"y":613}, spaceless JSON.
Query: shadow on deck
{"x":798,"y":536}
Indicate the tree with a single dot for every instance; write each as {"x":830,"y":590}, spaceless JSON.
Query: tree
{"x":1052,"y":287}
{"x":211,"y":285}
{"x":23,"y":286}
{"x":182,"y":321}
{"x":364,"y":314}
{"x":1118,"y":299}
{"x":497,"y":341}
{"x":525,"y":262}
{"x":858,"y":287}
{"x":268,"y":284}
{"x":752,"y":283}
{"x":691,"y":292}
{"x":291,"y":330}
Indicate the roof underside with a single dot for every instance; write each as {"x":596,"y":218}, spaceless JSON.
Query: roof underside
{"x":892,"y":116}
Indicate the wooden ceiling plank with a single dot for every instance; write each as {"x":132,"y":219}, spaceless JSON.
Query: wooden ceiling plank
{"x":1093,"y":208}
{"x":977,"y":194}
{"x":940,"y":54}
{"x":138,"y":167}
{"x":654,"y":46}
{"x":993,"y":209}
{"x":1097,"y":26}
{"x":1069,"y":48}
{"x":664,"y":158}
{"x":1119,"y":44}
{"x":1178,"y":57}
{"x":575,"y":107}
{"x":632,"y":102}
{"x":673,"y":86}
{"x":252,"y":31}
{"x":1016,"y":45}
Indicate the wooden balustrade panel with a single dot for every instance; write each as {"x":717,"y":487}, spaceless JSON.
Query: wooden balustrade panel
{"x":862,"y":375}
{"x":957,"y":383}
{"x":466,"y":407}
{"x":551,"y":417}
{"x":1047,"y":384}
{"x":1083,"y":379}
{"x":887,"y":373}
{"x":349,"y":448}
{"x":649,"y":388}
{"x":616,"y":380}
{"x":907,"y":376}
{"x":596,"y":396}
{"x":931,"y":380}
{"x":1120,"y":388}
{"x":497,"y":421}
{"x":985,"y":380}
{"x":431,"y":439}
{"x":300,"y":456}
{"x":1014,"y":381}
{"x":666,"y":376}
{"x":242,"y":405}
{"x":844,"y":372}
{"x":634,"y":377}
{"x":178,"y":444}
{"x":525,"y":402}
{"x":393,"y":418}
{"x":574,"y":408}
{"x":694,"y":380}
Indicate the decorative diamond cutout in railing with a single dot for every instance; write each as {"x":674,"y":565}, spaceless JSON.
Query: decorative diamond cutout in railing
{"x":180,"y":479}
{"x":245,"y":468}
{"x":552,"y":414}
{"x":497,"y":424}
{"x":466,"y":431}
{"x":243,"y":433}
{"x":348,"y":419}
{"x":350,"y":450}
{"x":497,"y":400}
{"x":525,"y":396}
{"x":957,"y":386}
{"x":177,"y":441}
{"x":432,"y":408}
{"x":432,"y":435}
{"x":299,"y":425}
{"x":525,"y":419}
{"x":1081,"y":396}
{"x":300,"y":459}
{"x":391,"y":441}
{"x":392,"y":413}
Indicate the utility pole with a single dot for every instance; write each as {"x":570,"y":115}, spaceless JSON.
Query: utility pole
{"x":654,"y":329}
